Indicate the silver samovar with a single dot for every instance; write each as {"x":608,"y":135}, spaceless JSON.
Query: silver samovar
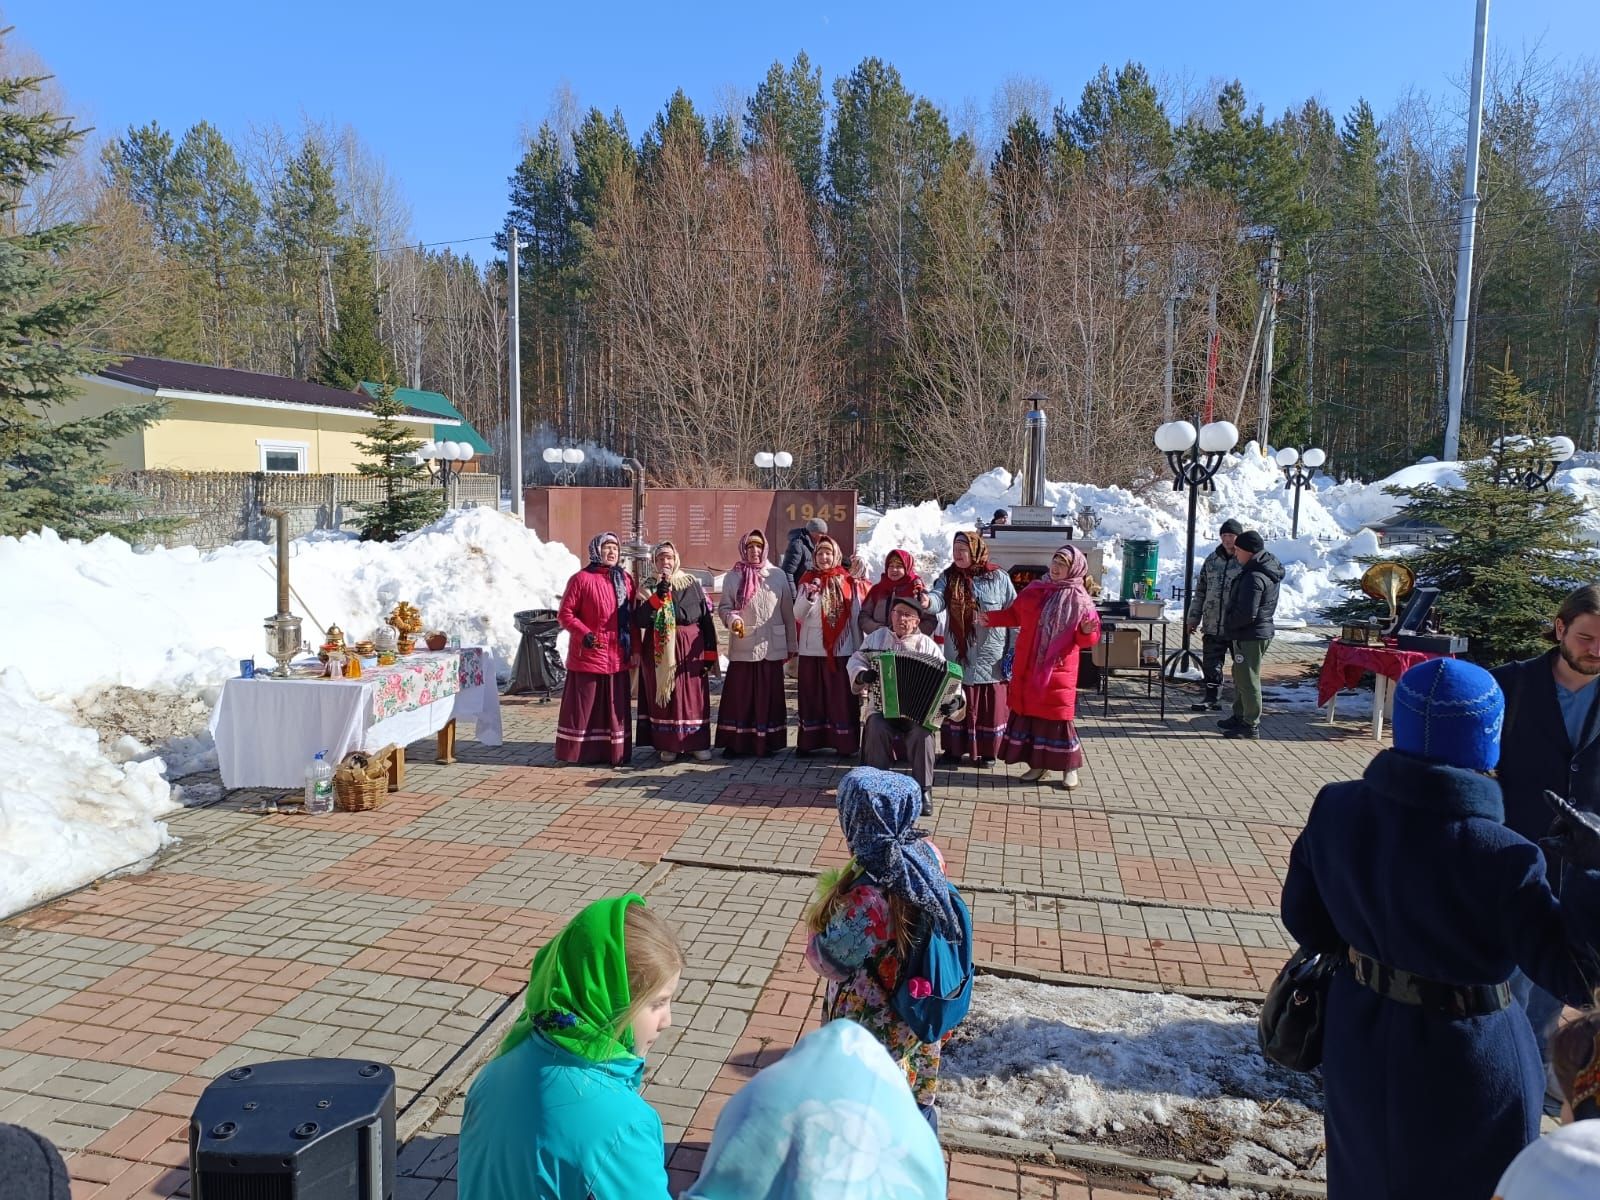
{"x":283,"y":627}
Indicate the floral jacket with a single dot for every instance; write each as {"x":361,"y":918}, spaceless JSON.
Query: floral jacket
{"x":859,"y":958}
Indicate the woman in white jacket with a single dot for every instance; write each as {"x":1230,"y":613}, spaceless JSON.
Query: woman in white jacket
{"x":826,"y":610}
{"x":757,"y":606}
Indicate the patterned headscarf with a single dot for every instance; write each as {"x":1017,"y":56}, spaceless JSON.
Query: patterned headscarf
{"x":619,"y":584}
{"x":749,"y":575}
{"x":578,"y":987}
{"x":878,"y":811}
{"x":665,"y":625}
{"x":831,"y":1120}
{"x":888,"y":589}
{"x":959,"y":598}
{"x":1067,"y":603}
{"x":834,"y":599}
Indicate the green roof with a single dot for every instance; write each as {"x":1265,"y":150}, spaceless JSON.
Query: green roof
{"x":436,"y":404}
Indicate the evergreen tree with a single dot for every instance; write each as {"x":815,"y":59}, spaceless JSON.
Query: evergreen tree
{"x":789,"y":107}
{"x":49,"y":472}
{"x":678,"y":119}
{"x":142,"y":163}
{"x":215,"y":213}
{"x":302,"y":226}
{"x":390,"y":446}
{"x":1506,"y":560}
{"x":355,"y":352}
{"x":1120,"y":128}
{"x":601,"y":150}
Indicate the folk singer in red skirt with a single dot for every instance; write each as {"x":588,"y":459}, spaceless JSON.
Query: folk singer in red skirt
{"x":1055,"y":618}
{"x":757,"y":606}
{"x":677,"y":650}
{"x":825,"y":611}
{"x":595,"y":725}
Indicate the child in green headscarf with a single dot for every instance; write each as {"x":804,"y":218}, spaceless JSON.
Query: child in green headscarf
{"x":557,"y":1114}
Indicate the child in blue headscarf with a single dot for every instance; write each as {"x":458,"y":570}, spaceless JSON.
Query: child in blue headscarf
{"x":831,"y":1120}
{"x":864,"y":918}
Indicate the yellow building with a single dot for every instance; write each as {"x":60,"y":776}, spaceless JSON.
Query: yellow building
{"x":219,"y":419}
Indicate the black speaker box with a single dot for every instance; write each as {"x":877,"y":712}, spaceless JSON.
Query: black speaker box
{"x":304,"y":1129}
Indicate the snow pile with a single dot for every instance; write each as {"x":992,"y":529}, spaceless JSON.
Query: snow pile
{"x":1161,"y":1076}
{"x":68,"y":813}
{"x":182,"y":619}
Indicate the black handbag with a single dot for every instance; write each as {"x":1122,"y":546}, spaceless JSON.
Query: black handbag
{"x":1295,"y":1010}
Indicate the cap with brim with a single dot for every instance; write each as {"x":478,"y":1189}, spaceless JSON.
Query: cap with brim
{"x":906,"y":602}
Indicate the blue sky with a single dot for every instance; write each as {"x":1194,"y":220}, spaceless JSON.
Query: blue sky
{"x":443,"y":90}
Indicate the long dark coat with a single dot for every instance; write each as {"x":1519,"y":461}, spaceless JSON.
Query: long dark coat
{"x":1414,"y":866}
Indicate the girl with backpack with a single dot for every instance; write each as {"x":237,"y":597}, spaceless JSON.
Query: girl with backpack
{"x":557,"y":1114}
{"x":875,"y":921}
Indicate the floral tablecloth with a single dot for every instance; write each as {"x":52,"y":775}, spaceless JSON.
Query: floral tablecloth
{"x":420,"y":680}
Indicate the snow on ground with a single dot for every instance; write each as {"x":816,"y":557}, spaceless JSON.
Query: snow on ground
{"x":68,"y":812}
{"x":1159,"y":1075}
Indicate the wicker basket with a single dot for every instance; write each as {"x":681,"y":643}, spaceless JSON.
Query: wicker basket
{"x":361,"y":781}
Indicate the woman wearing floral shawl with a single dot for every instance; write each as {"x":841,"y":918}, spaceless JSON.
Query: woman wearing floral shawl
{"x":677,"y":650}
{"x":825,"y":610}
{"x":557,"y":1114}
{"x":864,"y":918}
{"x":595,"y":724}
{"x":830,"y":1120}
{"x":1055,"y":618}
{"x":757,"y":606}
{"x":900,"y":579}
{"x":971,"y":585}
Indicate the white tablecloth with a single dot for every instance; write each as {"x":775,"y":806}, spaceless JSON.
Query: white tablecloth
{"x":268,"y":730}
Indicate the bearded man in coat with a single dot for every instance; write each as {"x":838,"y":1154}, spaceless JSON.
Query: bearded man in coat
{"x":1411,"y":880}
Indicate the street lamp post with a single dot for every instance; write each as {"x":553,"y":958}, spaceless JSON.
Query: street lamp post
{"x":1194,"y":457}
{"x":768,"y":460}
{"x":445,"y":460}
{"x":1530,"y":463}
{"x":564,"y":462}
{"x":1297,"y":472}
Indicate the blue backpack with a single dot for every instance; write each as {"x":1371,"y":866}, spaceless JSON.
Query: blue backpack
{"x":946,"y":965}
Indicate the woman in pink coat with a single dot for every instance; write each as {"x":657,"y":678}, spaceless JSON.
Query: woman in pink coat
{"x":1055,"y":618}
{"x":596,"y":610}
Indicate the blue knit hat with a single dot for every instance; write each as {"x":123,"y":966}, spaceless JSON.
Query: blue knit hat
{"x":1449,"y":711}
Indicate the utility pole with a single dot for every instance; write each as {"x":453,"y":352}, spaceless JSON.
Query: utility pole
{"x":416,"y":350}
{"x":1469,"y":230}
{"x":1211,"y":357}
{"x":514,"y":375}
{"x":1166,"y":404}
{"x":1264,"y":413}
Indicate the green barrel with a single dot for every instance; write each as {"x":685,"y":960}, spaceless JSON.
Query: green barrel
{"x":1138,"y":569}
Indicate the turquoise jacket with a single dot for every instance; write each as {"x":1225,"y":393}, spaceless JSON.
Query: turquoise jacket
{"x":543,"y":1124}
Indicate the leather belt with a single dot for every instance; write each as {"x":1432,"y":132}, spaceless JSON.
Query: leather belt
{"x":1448,"y":999}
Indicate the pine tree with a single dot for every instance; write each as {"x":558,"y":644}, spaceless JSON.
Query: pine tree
{"x":49,"y":472}
{"x":355,"y":352}
{"x":1506,"y":560}
{"x":302,"y":226}
{"x":390,"y":446}
{"x":216,"y":211}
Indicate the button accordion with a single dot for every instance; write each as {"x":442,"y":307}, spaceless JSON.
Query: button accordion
{"x":913,"y":686}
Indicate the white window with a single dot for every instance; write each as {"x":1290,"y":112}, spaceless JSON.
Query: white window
{"x":286,"y":458}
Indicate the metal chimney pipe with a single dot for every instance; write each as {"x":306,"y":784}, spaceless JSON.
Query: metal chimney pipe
{"x":1034,"y":423}
{"x":282,"y":518}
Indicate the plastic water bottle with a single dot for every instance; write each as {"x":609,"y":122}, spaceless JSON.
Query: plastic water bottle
{"x":319,"y":785}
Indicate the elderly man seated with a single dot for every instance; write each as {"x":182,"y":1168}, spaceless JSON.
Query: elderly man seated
{"x":885,"y":739}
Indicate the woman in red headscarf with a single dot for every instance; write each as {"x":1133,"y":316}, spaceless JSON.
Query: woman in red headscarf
{"x":1055,"y":618}
{"x":825,"y":610}
{"x":899,"y":579}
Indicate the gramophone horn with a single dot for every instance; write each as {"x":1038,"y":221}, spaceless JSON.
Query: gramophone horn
{"x":1390,"y":582}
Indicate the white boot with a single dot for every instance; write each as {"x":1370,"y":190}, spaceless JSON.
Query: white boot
{"x":1069,"y":779}
{"x":666,"y":756}
{"x":702,"y":756}
{"x":1033,"y":774}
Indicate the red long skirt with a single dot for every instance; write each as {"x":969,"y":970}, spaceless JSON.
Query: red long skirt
{"x":593,"y":726}
{"x":980,"y":732}
{"x":1042,"y":744}
{"x":753,"y":717}
{"x":683,"y":724}
{"x":830,"y":713}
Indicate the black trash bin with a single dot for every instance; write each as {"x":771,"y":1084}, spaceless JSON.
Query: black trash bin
{"x":538,"y":668}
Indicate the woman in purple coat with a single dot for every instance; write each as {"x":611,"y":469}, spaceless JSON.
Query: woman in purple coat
{"x":1411,"y":880}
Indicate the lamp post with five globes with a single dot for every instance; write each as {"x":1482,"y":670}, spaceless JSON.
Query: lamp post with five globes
{"x":1194,"y":457}
{"x":444,"y":460}
{"x":1530,"y":462}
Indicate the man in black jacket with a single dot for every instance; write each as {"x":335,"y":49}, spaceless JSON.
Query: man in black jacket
{"x":1551,"y":741}
{"x":1247,"y":611}
{"x":802,"y":549}
{"x":1205,"y":613}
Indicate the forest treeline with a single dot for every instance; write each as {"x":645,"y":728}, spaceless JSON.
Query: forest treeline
{"x":849,"y":272}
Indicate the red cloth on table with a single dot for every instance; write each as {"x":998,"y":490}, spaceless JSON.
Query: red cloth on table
{"x":1346,"y":664}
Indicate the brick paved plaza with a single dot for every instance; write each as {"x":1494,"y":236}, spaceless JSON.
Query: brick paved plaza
{"x":404,"y":935}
